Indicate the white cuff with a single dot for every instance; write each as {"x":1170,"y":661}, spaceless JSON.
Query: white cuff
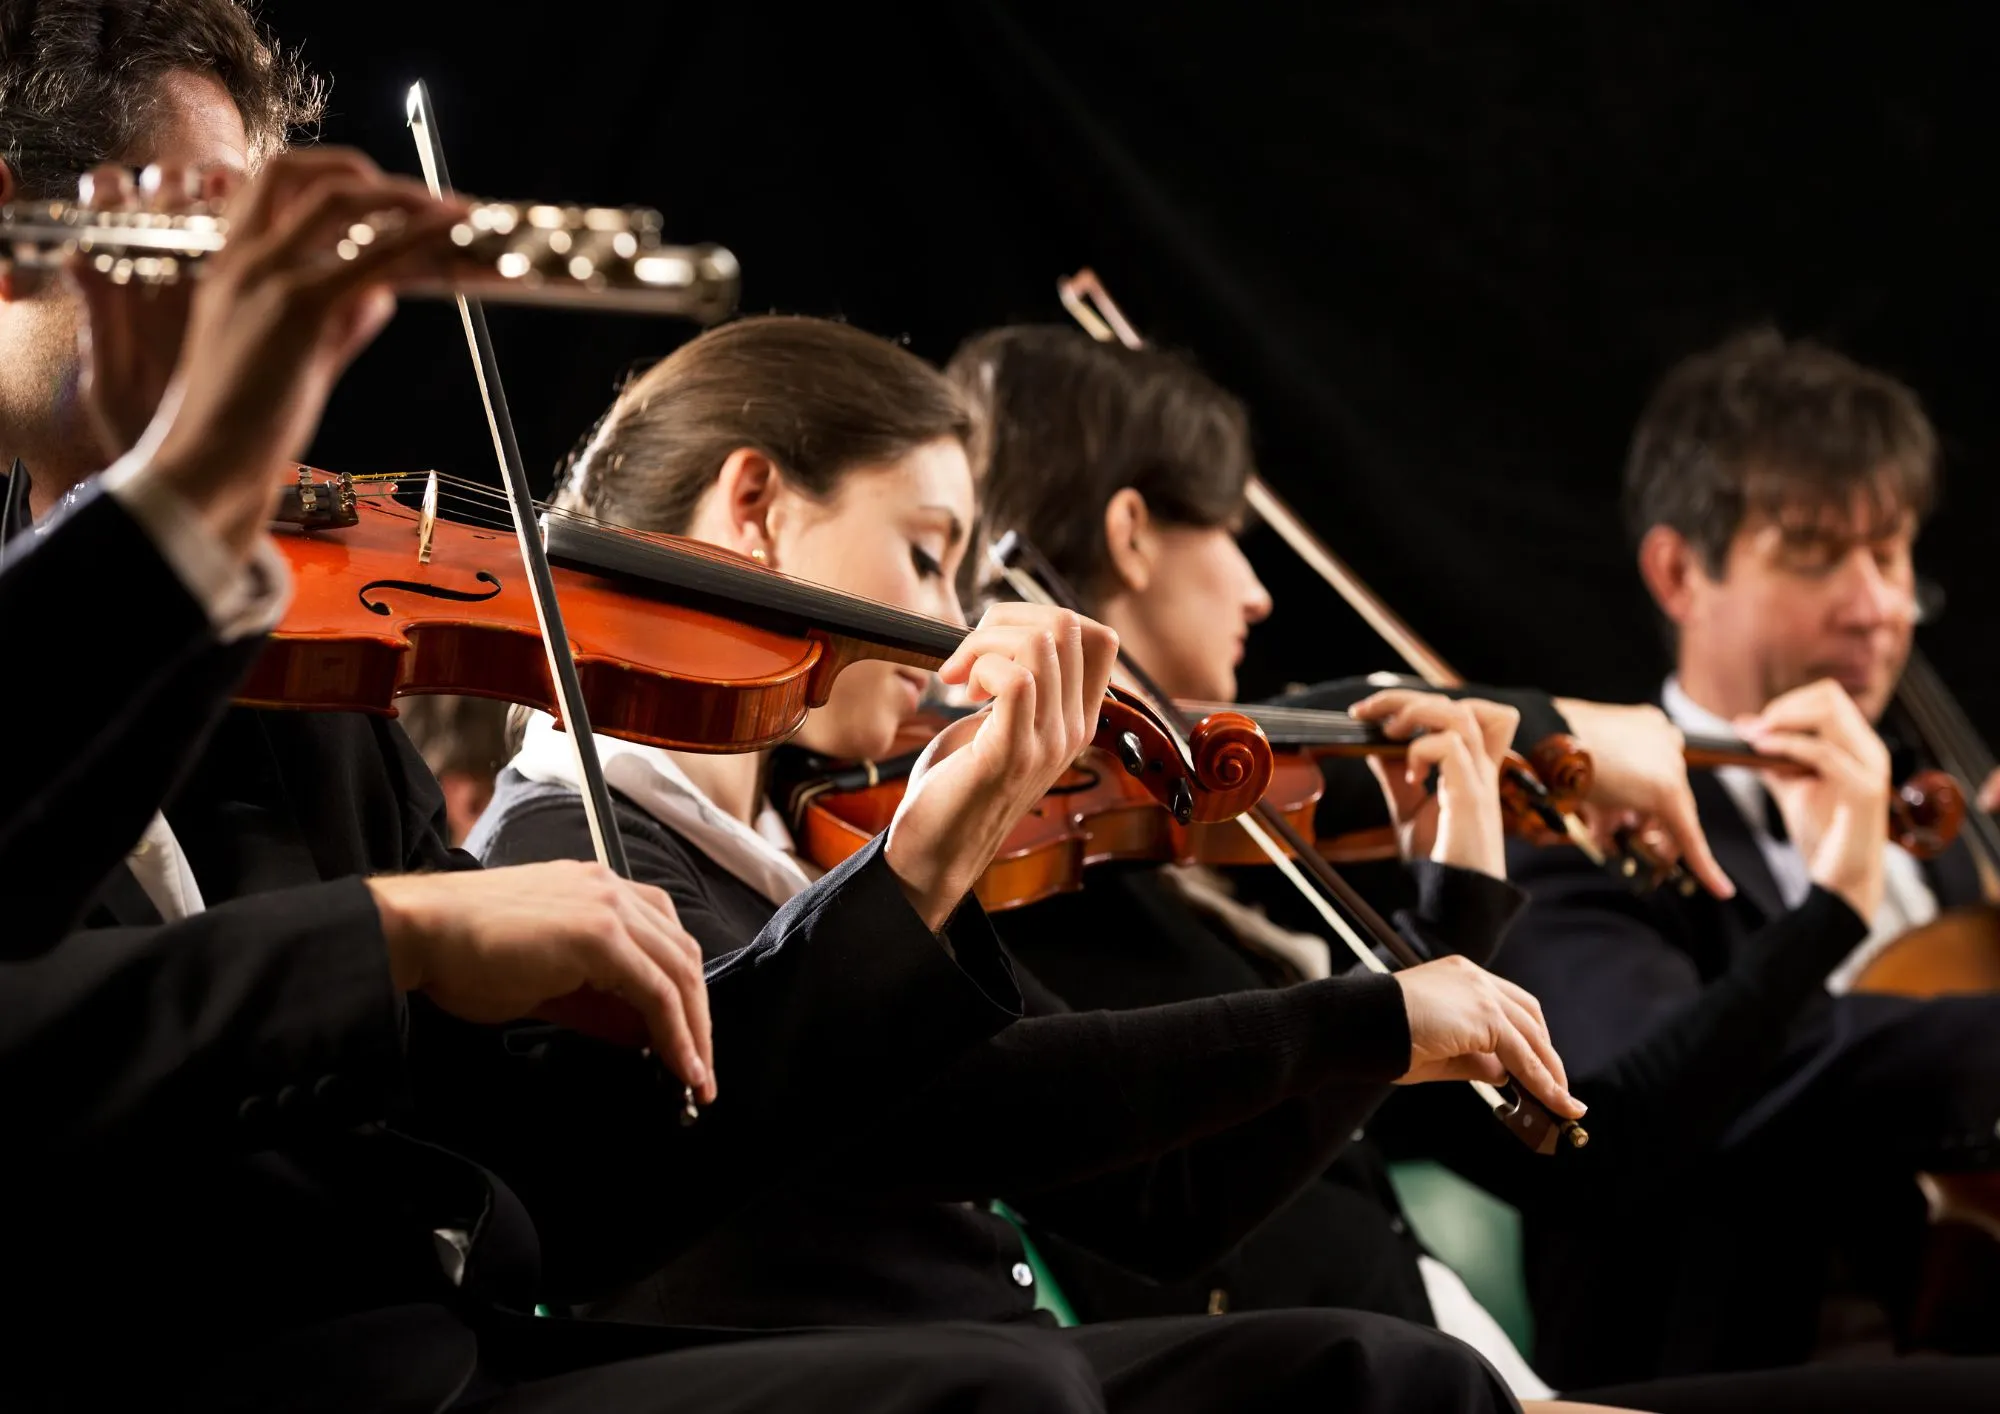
{"x":239,"y":599}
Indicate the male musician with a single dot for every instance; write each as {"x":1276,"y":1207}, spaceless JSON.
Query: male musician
{"x":223,"y":1186}
{"x":1775,"y":490}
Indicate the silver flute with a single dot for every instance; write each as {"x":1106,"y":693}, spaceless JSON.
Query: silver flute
{"x":591,"y":257}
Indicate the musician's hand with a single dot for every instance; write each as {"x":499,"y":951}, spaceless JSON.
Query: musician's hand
{"x":566,"y":941}
{"x":1467,"y":1024}
{"x":263,"y":335}
{"x":1463,"y":740}
{"x":1989,"y":792}
{"x":1836,"y":811}
{"x":130,"y":337}
{"x":1640,"y":775}
{"x":1045,"y":671}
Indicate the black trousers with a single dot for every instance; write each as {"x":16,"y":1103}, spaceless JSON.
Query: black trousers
{"x":1935,"y":1385}
{"x":1285,"y":1362}
{"x":959,"y":1369}
{"x":1280,"y":1361}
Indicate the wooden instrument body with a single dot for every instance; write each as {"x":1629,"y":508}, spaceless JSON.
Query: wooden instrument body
{"x":389,"y":600}
{"x":372,"y":619}
{"x":1097,"y":813}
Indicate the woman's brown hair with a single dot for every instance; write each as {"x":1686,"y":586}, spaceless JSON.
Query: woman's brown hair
{"x":818,"y":398}
{"x":1065,"y":423}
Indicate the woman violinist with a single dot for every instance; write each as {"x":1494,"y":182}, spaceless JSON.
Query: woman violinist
{"x":1126,"y":469}
{"x":1158,"y":1136}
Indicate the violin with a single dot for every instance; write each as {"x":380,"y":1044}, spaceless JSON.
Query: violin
{"x":676,"y":643}
{"x":1535,"y":791}
{"x":1350,"y":916}
{"x":1925,"y":813}
{"x":1096,"y":814}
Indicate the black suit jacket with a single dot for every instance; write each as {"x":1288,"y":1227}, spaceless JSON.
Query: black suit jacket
{"x":232,"y":1145}
{"x":1745,"y":1123}
{"x":1155,"y":1136}
{"x":117,"y":680}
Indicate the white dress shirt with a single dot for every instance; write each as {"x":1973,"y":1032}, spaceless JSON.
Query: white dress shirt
{"x":1907,"y":901}
{"x":239,"y":599}
{"x":763,"y":857}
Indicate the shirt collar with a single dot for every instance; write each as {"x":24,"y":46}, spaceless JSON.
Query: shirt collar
{"x":654,"y":781}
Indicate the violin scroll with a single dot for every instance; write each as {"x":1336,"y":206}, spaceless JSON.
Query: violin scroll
{"x":1925,"y":813}
{"x":1228,"y":755}
{"x":1565,"y":768}
{"x":1231,"y":757}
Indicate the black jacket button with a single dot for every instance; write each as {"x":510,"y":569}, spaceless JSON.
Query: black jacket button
{"x":253,"y":1110}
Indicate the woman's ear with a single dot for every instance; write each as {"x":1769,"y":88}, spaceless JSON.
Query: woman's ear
{"x":1129,"y":541}
{"x":745,"y":491}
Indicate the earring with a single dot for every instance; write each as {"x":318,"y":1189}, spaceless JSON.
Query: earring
{"x":758,"y":555}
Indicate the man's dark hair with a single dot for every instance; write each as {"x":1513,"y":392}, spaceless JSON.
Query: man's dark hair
{"x":1066,"y":422}
{"x":1786,"y":428}
{"x":78,"y":79}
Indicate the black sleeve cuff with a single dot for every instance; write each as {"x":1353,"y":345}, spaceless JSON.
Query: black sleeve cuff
{"x":1459,"y":911}
{"x":343,"y":1021}
{"x":913,"y":966}
{"x":1362,"y":1027}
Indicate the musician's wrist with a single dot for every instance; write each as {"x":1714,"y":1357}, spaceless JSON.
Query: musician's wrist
{"x":1858,"y":884}
{"x":406,"y":928}
{"x":934,"y":875}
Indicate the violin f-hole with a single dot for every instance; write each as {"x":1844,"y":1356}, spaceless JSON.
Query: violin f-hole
{"x":429,"y":591}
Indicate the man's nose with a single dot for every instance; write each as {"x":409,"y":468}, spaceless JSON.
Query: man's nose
{"x":1872,"y":598}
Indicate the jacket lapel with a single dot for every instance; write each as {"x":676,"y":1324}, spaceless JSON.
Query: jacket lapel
{"x":121,"y":903}
{"x":1757,"y":893}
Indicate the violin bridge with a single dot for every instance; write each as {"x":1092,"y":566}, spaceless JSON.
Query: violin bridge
{"x":427,"y":524}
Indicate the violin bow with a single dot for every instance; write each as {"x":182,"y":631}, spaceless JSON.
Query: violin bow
{"x":1031,"y":576}
{"x":603,"y":820}
{"x":1091,"y":305}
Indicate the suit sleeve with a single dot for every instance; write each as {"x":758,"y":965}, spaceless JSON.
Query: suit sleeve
{"x":137,"y":682}
{"x":1157,"y":1136}
{"x":836,"y":1013}
{"x":261,"y":1018}
{"x":1666,"y":1060}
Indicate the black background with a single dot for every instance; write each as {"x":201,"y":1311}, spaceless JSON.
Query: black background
{"x":1441,"y":249}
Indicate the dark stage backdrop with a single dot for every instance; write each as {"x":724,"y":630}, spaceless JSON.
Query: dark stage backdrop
{"x":1442,"y":249}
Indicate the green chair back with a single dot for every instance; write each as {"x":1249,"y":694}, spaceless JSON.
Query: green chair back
{"x":1476,"y":1235}
{"x":1048,"y":1296}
